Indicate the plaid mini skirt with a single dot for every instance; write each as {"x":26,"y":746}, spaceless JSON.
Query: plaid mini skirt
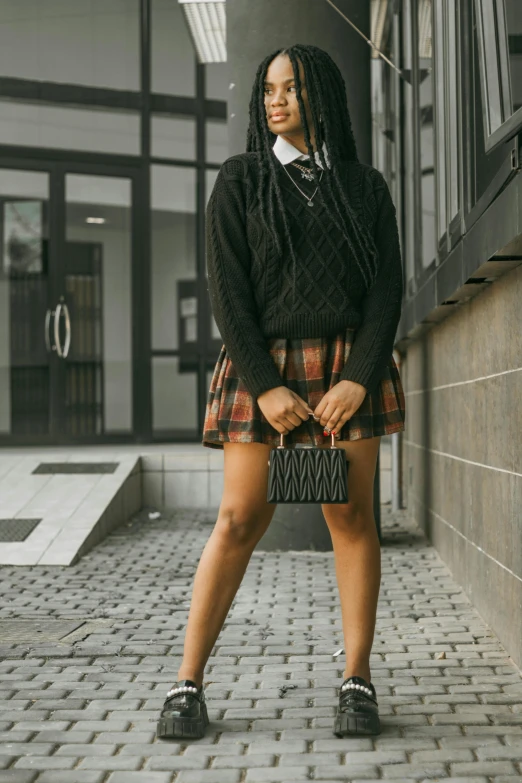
{"x":308,"y":366}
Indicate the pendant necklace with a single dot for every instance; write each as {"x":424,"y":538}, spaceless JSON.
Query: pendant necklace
{"x":308,"y":198}
{"x":305,"y":172}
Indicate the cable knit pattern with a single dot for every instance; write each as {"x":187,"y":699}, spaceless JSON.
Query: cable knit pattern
{"x":252,"y":291}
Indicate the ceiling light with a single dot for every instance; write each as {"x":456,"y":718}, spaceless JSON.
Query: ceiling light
{"x":206,"y":22}
{"x":95,"y":220}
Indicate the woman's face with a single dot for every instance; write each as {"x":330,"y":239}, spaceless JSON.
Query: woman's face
{"x":282,"y":109}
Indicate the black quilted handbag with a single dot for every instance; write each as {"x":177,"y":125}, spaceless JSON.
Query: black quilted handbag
{"x":307,"y":475}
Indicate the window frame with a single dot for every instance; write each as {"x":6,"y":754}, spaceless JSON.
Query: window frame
{"x":511,"y":123}
{"x":447,"y":69}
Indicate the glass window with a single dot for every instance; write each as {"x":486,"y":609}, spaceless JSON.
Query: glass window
{"x":94,"y":43}
{"x":210,"y":179}
{"x":173,"y":267}
{"x":174,"y":396}
{"x":217,"y":81}
{"x":513,"y":20}
{"x":440,"y":112}
{"x":452,"y":79}
{"x":173,"y":137}
{"x":173,"y":56}
{"x":39,"y":125}
{"x":409,"y":166}
{"x":426,"y":131}
{"x":25,"y":355}
{"x":447,"y":116}
{"x":499,"y":29}
{"x":217,"y":142}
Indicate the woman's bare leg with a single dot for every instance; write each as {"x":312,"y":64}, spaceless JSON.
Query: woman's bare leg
{"x":357,"y":554}
{"x":244,"y":516}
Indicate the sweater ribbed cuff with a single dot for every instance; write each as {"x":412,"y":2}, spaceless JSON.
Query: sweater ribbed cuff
{"x":361,"y":371}
{"x":262,"y":380}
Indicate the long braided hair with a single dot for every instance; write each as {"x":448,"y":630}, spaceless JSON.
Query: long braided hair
{"x":332,"y":124}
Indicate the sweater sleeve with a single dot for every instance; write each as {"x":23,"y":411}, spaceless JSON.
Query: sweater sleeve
{"x":231,"y":295}
{"x":374,"y":339}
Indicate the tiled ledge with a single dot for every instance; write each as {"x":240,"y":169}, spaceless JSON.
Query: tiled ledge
{"x":77,"y":511}
{"x":182,"y":479}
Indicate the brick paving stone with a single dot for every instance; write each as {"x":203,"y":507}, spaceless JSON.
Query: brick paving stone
{"x":27,"y":748}
{"x":489,"y":768}
{"x":217,"y":750}
{"x":122,"y":763}
{"x":330,"y":773}
{"x":71,"y":776}
{"x":417,"y":772}
{"x":92,"y":706}
{"x":173,"y":763}
{"x":64,"y":737}
{"x":506,"y":779}
{"x":45,"y":762}
{"x":86,"y":750}
{"x":99,"y":725}
{"x":274,"y":775}
{"x":474,"y":779}
{"x":206,"y":776}
{"x":123,"y":737}
{"x":240,"y":762}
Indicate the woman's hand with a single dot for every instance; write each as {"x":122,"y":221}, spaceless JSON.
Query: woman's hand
{"x":283,"y":408}
{"x":339,"y":404}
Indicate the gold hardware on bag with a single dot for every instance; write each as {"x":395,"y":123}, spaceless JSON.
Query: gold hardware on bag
{"x":282,"y":445}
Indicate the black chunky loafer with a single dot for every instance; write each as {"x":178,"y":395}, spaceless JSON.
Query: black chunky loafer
{"x":184,"y":713}
{"x":358,"y":712}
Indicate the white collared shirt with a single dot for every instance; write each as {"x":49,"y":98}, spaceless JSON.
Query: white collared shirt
{"x":286,"y":152}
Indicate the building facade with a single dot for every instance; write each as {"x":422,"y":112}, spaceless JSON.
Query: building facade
{"x":447,"y":132}
{"x":111,"y":135}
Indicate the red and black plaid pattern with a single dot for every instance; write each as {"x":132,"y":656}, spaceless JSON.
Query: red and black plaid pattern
{"x":310,"y":367}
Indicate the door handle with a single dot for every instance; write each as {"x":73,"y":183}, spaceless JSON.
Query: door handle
{"x":67,"y":331}
{"x":48,"y":345}
{"x":57,"y":312}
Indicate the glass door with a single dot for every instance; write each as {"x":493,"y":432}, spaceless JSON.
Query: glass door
{"x":67,"y":235}
{"x":25,"y":304}
{"x":94,"y":308}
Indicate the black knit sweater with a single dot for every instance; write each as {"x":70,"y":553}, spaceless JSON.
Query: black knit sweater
{"x":251,"y":288}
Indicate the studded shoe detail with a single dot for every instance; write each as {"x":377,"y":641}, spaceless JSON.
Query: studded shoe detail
{"x":184,"y":713}
{"x":358,"y":712}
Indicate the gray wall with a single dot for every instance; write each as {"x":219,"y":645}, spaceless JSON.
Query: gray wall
{"x":254,"y":29}
{"x":463,"y":450}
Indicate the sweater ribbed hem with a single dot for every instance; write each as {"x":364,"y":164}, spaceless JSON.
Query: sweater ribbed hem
{"x":310,"y":324}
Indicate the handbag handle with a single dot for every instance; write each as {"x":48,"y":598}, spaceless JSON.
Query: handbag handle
{"x":282,"y":445}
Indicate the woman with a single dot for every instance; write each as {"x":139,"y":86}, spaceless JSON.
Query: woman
{"x":305,"y":281}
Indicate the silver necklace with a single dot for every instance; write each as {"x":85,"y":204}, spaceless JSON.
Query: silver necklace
{"x":305,"y":173}
{"x":308,"y":198}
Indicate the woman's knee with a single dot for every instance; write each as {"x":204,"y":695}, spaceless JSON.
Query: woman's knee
{"x":352,"y":517}
{"x":240,"y":525}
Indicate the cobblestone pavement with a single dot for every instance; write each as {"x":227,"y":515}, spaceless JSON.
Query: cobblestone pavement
{"x":85,"y":710}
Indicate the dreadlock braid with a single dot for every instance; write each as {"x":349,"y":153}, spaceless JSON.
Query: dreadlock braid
{"x":333,"y":86}
{"x":332,"y":125}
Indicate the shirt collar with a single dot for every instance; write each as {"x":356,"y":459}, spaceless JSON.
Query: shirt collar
{"x":286,"y":152}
